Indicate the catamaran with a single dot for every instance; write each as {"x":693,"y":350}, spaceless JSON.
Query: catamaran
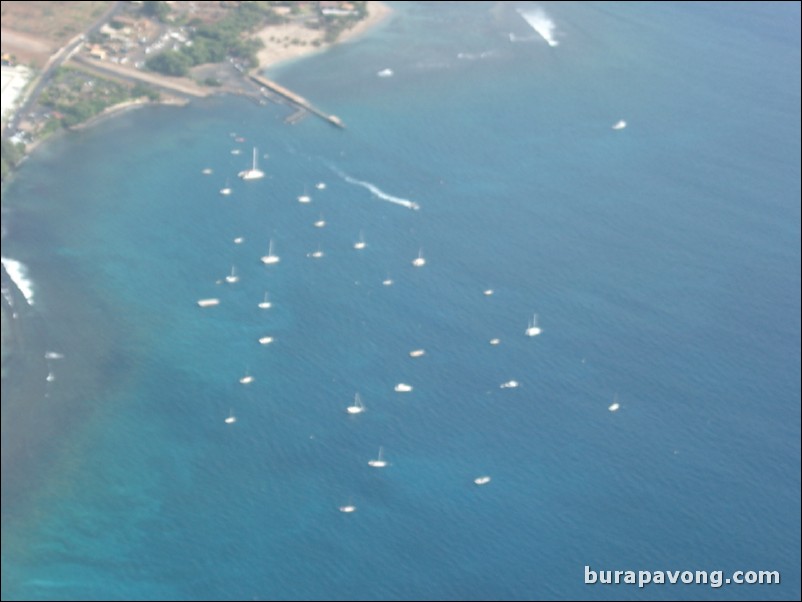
{"x":533,"y":329}
{"x":254,"y":173}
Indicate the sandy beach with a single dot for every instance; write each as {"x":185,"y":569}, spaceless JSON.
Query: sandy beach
{"x":277,"y":38}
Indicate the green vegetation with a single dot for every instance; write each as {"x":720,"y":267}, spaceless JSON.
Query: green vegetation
{"x":158,"y":10}
{"x":10,"y":156}
{"x":75,"y":96}
{"x":214,"y":43}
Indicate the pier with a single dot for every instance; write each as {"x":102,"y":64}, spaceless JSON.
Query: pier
{"x":296,"y":99}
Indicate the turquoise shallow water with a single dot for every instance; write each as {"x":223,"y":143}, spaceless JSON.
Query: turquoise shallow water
{"x":663,"y":261}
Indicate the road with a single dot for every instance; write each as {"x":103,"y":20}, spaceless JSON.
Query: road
{"x":54,"y":63}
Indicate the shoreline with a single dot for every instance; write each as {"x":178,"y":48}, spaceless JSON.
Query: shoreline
{"x":124,"y":107}
{"x":275,"y":54}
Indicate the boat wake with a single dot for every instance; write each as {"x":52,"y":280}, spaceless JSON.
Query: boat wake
{"x":19,"y":276}
{"x":541,"y":23}
{"x":377,"y":192}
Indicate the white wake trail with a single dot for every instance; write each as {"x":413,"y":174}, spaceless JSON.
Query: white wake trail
{"x":377,"y":192}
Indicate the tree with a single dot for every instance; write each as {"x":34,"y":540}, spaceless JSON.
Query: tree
{"x":170,"y":62}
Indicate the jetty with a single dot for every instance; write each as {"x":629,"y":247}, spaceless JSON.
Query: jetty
{"x":296,"y":99}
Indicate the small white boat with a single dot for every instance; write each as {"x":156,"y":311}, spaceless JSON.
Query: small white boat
{"x":360,"y":244}
{"x":232,"y":277}
{"x":226,"y":190}
{"x":320,"y":186}
{"x":54,"y":355}
{"x":254,"y":173}
{"x":483,"y":480}
{"x":348,"y":508}
{"x":320,"y":223}
{"x":316,"y":254}
{"x":208,"y":302}
{"x":358,"y":407}
{"x":236,"y":151}
{"x":206,"y":171}
{"x":304,"y":198}
{"x":619,"y":125}
{"x":488,"y":292}
{"x":265,"y":340}
{"x":495,"y":341}
{"x":419,"y":261}
{"x":50,"y":377}
{"x":239,"y":240}
{"x":615,"y":406}
{"x":379,"y":462}
{"x":385,"y":73}
{"x":231,"y":419}
{"x":510,"y":384}
{"x":270,"y":258}
{"x":402,"y":388}
{"x":387,"y":282}
{"x":265,"y":304}
{"x":246,"y":380}
{"x":417,"y":353}
{"x":533,"y":329}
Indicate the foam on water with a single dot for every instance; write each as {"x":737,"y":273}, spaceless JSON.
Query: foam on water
{"x":541,"y":23}
{"x":18,"y":272}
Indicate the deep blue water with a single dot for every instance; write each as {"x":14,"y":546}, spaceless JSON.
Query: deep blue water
{"x":663,"y":261}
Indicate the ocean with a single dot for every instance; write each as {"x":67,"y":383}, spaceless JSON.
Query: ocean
{"x":662,"y":261}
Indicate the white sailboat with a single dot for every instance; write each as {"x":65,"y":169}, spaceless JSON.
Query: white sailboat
{"x":419,"y":261}
{"x":226,"y":190}
{"x":320,"y":223}
{"x":495,"y":341}
{"x":232,"y":277}
{"x":265,"y":340}
{"x":304,"y":198}
{"x":533,"y":329}
{"x":402,"y":388}
{"x":417,"y":353}
{"x":387,"y":281}
{"x":271,"y":257}
{"x":320,"y":186}
{"x":510,"y":384}
{"x":348,"y":508}
{"x":231,"y":419}
{"x":208,"y":302}
{"x":488,"y":292}
{"x":247,"y":379}
{"x":379,"y":462}
{"x":615,"y":406}
{"x":317,"y":254}
{"x":358,"y":407}
{"x":483,"y":480}
{"x":254,"y":173}
{"x":619,"y":125}
{"x":265,"y":304}
{"x":360,"y":244}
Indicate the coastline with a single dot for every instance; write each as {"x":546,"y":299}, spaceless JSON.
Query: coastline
{"x":124,"y":107}
{"x":275,"y":53}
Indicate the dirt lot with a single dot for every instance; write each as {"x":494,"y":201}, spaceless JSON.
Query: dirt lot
{"x":33,"y":30}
